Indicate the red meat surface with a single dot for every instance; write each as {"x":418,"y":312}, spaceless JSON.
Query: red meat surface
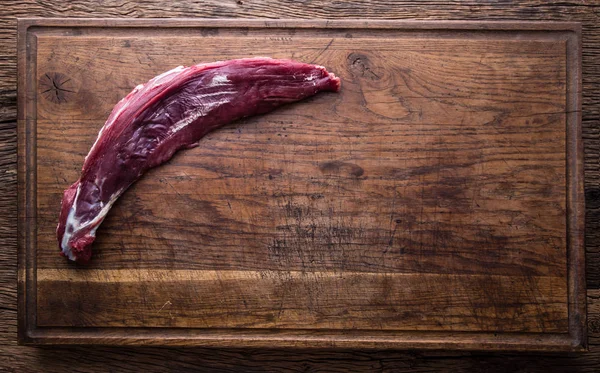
{"x":170,"y":112}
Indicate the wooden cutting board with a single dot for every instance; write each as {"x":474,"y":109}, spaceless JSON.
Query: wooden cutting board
{"x":434,"y":202}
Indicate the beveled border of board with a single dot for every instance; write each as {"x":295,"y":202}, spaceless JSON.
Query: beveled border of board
{"x":29,"y":333}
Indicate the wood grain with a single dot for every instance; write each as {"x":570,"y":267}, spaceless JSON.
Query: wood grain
{"x":435,"y":176}
{"x":99,"y":359}
{"x":301,"y":300}
{"x":275,"y":168}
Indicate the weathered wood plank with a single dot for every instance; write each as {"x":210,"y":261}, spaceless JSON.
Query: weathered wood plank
{"x":301,"y":300}
{"x":159,"y":359}
{"x":153,"y":359}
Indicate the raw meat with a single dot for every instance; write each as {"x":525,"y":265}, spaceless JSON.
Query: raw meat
{"x":173,"y":111}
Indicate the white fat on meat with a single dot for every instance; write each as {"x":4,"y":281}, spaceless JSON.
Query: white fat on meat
{"x":201,"y":110}
{"x":218,"y":80}
{"x":73,"y":224}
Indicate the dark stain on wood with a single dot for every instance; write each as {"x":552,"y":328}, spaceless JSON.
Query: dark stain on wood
{"x":339,"y":168}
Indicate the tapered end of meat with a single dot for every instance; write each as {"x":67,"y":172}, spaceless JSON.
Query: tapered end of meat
{"x":333,"y":82}
{"x":78,"y":249}
{"x":336,"y":83}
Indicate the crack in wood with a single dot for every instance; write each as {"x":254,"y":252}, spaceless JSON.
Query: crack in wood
{"x":56,"y":88}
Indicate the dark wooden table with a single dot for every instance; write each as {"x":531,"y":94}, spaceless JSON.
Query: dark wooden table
{"x":19,"y":358}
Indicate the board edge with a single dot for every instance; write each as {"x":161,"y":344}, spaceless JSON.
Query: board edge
{"x":22,"y":325}
{"x":577,"y":290}
{"x":305,"y":23}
